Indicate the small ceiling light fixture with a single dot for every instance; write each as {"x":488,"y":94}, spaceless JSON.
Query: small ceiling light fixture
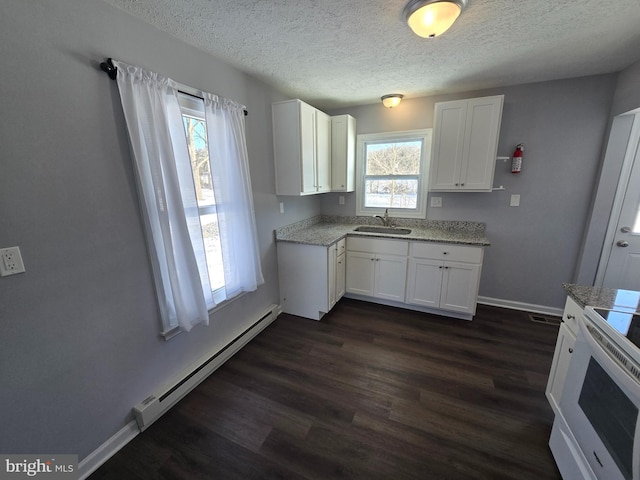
{"x":430,"y":18}
{"x":391,"y":100}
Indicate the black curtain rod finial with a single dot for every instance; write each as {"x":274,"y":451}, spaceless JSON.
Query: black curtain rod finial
{"x":110,"y":68}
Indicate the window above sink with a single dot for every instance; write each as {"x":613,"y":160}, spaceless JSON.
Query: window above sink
{"x":393,"y":173}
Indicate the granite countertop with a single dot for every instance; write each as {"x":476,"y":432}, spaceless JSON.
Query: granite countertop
{"x":325,"y":230}
{"x":600,"y":297}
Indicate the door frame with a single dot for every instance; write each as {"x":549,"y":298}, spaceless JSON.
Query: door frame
{"x":631,"y":153}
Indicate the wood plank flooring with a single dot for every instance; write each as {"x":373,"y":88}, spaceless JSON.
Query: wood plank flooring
{"x":369,"y":392}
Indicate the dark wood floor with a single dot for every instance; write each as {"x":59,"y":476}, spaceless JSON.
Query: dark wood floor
{"x":369,"y":392}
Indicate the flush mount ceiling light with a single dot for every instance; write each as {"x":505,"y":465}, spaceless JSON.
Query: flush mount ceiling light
{"x":391,"y":100}
{"x":430,"y":18}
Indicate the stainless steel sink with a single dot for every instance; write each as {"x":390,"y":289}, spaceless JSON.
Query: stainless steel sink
{"x":390,"y":230}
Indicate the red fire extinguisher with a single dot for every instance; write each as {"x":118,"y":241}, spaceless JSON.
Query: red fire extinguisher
{"x":516,"y":162}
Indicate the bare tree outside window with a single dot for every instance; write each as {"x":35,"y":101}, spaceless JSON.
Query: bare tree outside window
{"x":196,"y":133}
{"x":392,"y":173}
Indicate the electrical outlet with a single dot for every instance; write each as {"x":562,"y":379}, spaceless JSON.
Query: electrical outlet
{"x":10,"y":261}
{"x":436,"y":201}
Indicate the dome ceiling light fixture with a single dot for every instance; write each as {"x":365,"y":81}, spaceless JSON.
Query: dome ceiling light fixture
{"x":430,"y":18}
{"x":391,"y":100}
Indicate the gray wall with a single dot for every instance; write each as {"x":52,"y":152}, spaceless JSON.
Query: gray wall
{"x":80,"y":344}
{"x":534,"y":247}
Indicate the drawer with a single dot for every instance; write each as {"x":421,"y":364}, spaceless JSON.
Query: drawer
{"x":374,"y":245}
{"x":572,"y":312}
{"x":444,"y":251}
{"x":341,"y":246}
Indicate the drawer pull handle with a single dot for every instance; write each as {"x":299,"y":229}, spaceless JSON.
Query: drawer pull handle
{"x":570,"y":317}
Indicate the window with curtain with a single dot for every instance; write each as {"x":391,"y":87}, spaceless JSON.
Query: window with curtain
{"x":194,"y":188}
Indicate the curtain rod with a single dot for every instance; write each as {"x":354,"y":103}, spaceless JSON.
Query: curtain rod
{"x":112,"y":71}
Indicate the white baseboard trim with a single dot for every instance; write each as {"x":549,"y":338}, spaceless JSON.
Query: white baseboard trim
{"x":104,"y":452}
{"x":525,"y":307}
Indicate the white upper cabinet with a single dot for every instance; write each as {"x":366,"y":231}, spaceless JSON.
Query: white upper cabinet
{"x":302,"y":148}
{"x":465,"y":144}
{"x":343,"y":153}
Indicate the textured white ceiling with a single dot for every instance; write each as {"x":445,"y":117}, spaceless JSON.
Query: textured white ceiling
{"x":335,"y":53}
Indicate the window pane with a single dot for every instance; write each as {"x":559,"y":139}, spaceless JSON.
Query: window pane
{"x":391,"y":193}
{"x":398,"y":158}
{"x":196,"y":131}
{"x":212,"y":248}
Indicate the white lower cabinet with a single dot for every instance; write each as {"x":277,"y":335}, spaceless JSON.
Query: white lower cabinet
{"x":311,"y":277}
{"x":431,"y":277}
{"x":445,"y":277}
{"x":562,"y":354}
{"x":377,"y":268}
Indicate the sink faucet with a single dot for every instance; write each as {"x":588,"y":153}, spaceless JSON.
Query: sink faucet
{"x":386,"y":221}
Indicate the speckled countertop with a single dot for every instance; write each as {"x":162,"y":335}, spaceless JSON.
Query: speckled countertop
{"x":603,"y":297}
{"x":325,"y":230}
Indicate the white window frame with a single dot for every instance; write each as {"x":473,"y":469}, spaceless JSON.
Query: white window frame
{"x":423,"y":135}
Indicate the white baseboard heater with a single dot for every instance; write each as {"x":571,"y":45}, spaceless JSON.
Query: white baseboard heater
{"x":154,"y":406}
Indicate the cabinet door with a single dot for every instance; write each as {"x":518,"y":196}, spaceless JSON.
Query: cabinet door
{"x":323,"y":152}
{"x":343,"y":153}
{"x":331,"y":277}
{"x":460,"y":287}
{"x":341,"y":271}
{"x":558,"y":374}
{"x":308,"y":148}
{"x":390,"y":277}
{"x":360,"y":273}
{"x":424,"y":282}
{"x":448,"y":144}
{"x":481,"y":142}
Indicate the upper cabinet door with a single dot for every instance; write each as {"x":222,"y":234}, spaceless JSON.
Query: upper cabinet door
{"x":465,"y":144}
{"x":343,"y":153}
{"x":323,"y":152}
{"x":308,"y":148}
{"x":448,"y":143}
{"x":481,"y":142}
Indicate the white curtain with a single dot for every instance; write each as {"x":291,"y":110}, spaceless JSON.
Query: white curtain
{"x":167,"y":195}
{"x":234,"y":201}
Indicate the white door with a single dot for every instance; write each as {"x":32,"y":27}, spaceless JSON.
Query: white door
{"x":623,"y":268}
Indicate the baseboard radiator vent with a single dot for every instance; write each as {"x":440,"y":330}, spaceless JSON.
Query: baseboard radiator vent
{"x":154,"y":406}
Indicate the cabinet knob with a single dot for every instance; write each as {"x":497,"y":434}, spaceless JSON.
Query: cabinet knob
{"x":570,"y":317}
{"x":440,"y":266}
{"x":457,"y":184}
{"x":462,"y":184}
{"x":445,"y":253}
{"x":571,"y":350}
{"x":446,"y":268}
